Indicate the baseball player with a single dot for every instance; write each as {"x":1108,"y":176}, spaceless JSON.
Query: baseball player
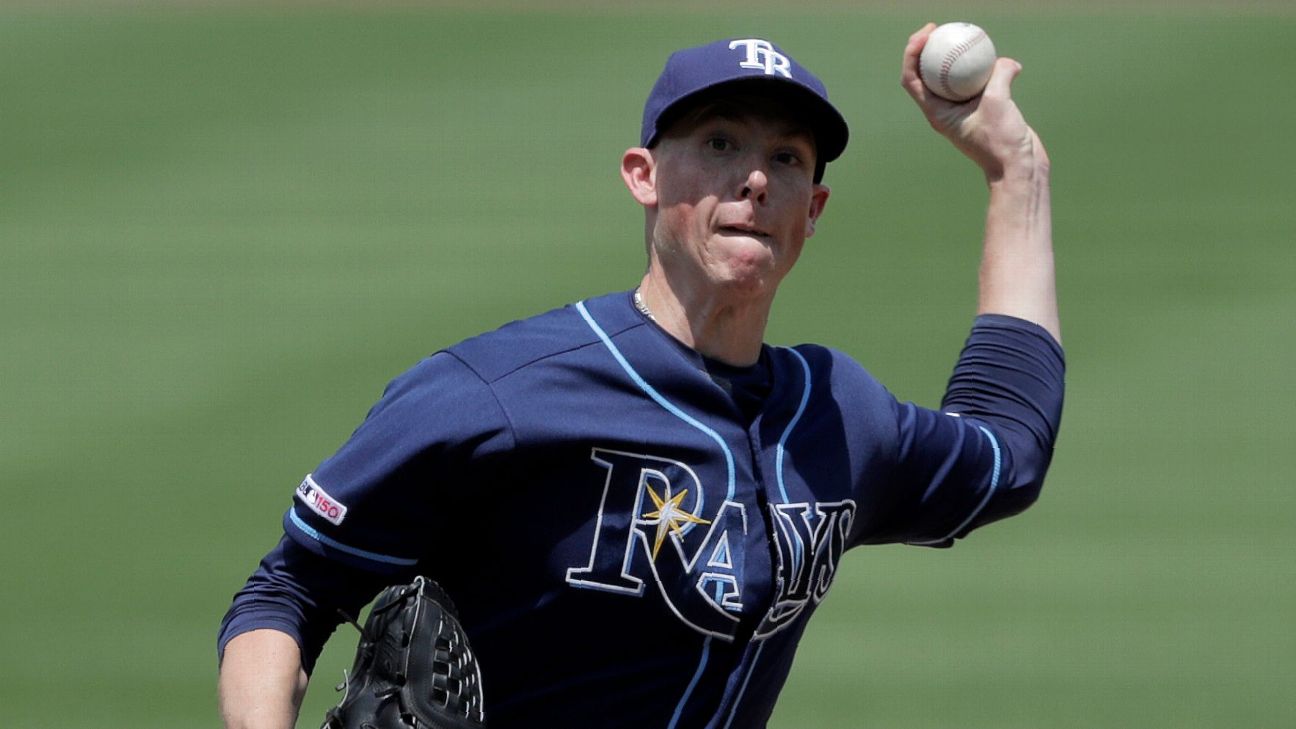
{"x":637,"y":503}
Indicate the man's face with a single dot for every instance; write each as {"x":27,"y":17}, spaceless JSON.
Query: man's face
{"x":735,"y":195}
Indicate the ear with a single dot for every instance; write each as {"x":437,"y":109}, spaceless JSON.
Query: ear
{"x":818,"y":199}
{"x":639,"y":170}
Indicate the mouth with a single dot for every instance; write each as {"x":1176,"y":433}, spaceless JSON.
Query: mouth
{"x":743,"y":230}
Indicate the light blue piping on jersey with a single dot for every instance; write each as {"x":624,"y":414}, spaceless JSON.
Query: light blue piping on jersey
{"x":310,"y":531}
{"x":656,"y":396}
{"x":805,"y":398}
{"x":697,"y":676}
{"x":743,"y":689}
{"x":729,"y":464}
{"x":994,"y":486}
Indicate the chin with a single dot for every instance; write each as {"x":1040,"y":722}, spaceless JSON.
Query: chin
{"x":749,"y":282}
{"x":749,"y":254}
{"x":753,"y":268}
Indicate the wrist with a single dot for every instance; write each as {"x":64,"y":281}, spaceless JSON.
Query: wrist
{"x":1028,"y":165}
{"x":1027,"y":171}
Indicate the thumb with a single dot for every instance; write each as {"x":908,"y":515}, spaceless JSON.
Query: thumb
{"x":1005,"y":70}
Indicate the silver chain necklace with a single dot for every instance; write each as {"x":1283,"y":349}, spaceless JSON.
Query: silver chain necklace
{"x":642,"y":307}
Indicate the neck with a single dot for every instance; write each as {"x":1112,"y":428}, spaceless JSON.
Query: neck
{"x":723,"y":327}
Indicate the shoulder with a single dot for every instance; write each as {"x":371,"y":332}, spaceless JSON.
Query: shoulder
{"x":521,"y":344}
{"x":828,"y":367}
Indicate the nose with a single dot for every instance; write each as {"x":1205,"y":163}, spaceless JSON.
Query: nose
{"x":755,"y":187}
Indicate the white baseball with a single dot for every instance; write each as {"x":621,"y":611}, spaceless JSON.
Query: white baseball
{"x":957,"y":61}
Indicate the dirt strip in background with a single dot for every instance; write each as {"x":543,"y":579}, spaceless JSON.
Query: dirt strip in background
{"x":1285,"y":8}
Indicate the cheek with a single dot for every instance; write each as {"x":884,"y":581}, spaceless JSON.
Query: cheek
{"x":795,"y":219}
{"x":678,"y":189}
{"x":674,"y":225}
{"x":677,"y":213}
{"x":686,"y":185}
{"x":685,"y":215}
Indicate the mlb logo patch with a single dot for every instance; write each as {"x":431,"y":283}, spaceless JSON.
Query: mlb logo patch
{"x":320,"y":502}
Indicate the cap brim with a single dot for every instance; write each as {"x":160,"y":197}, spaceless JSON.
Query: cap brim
{"x":829,"y":127}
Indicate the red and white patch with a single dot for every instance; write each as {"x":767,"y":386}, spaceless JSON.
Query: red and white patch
{"x":320,"y":502}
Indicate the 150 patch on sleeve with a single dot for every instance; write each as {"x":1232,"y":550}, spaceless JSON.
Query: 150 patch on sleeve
{"x":320,"y":502}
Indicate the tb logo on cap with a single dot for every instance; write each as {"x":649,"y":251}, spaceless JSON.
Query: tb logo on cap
{"x":761,"y":55}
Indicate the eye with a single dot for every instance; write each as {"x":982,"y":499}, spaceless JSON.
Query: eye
{"x":719,"y":144}
{"x":787,"y":157}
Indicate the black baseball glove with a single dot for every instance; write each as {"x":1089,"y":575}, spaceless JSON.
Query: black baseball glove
{"x":413,"y":668}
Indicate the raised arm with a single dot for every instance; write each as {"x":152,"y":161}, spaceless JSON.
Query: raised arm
{"x":1017,"y":260}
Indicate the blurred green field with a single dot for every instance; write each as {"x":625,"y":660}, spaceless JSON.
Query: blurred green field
{"x":222,"y":230}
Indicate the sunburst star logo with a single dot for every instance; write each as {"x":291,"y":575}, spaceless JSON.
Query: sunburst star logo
{"x":669,"y":517}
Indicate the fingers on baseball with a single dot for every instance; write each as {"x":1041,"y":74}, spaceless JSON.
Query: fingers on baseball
{"x":921,"y":34}
{"x":909,"y":76}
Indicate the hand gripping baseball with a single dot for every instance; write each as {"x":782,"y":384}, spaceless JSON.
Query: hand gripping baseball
{"x":988,"y":128}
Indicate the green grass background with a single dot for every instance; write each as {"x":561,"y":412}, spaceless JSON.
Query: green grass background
{"x":224,"y":228}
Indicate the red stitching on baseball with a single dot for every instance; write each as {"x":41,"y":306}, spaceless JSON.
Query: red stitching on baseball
{"x":954,"y":54}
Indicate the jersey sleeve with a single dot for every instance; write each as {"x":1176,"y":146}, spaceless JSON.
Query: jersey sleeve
{"x":373,"y":503}
{"x":983,"y":456}
{"x":300,"y":594}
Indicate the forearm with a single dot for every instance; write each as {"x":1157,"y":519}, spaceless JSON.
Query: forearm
{"x":1017,"y":262}
{"x":261,"y":681}
{"x":275,"y":629}
{"x":1017,"y":275}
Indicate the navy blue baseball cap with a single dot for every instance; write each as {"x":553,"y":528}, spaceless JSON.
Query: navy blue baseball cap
{"x":691,"y":73}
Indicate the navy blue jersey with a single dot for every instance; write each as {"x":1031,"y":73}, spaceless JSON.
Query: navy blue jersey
{"x":630,"y":542}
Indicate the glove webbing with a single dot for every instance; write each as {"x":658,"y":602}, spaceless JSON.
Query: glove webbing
{"x":413,"y":669}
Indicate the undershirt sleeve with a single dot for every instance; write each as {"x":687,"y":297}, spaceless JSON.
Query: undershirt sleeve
{"x":1011,"y":377}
